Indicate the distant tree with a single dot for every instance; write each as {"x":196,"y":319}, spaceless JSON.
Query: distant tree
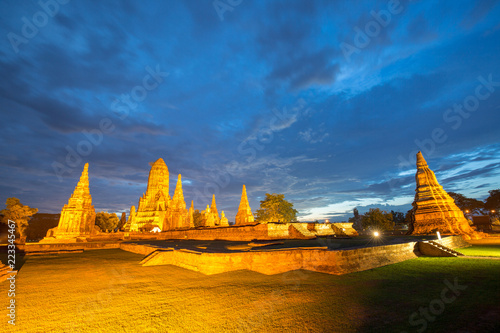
{"x":19,"y":213}
{"x":472,"y":205}
{"x":377,"y":219}
{"x":197,"y":218}
{"x":398,"y":217}
{"x":275,"y":208}
{"x":39,"y":224}
{"x":493,"y":201}
{"x":106,"y":221}
{"x":409,"y":218}
{"x":356,"y":220}
{"x":123,"y":221}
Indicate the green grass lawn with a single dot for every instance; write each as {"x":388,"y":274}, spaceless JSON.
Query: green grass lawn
{"x":482,"y":250}
{"x":108,"y":291}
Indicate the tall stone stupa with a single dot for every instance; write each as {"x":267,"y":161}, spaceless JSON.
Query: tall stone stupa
{"x":244,"y":215}
{"x":434,"y":210}
{"x":77,"y":216}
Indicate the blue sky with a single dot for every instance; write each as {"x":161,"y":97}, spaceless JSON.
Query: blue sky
{"x":324,"y":101}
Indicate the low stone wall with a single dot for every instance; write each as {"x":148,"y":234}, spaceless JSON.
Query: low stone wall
{"x":454,"y":242}
{"x":234,"y":233}
{"x":323,"y":229}
{"x":277,"y":231}
{"x":300,"y":231}
{"x":257,"y":231}
{"x":268,"y":231}
{"x":278,"y":261}
{"x":138,"y":248}
{"x":355,"y":260}
{"x":66,"y":247}
{"x":345,"y":228}
{"x":237,"y":233}
{"x":106,"y":237}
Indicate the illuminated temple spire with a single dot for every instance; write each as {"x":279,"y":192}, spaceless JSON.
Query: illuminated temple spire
{"x":213,"y":210}
{"x":78,"y":215}
{"x":178,"y":199}
{"x":178,"y":216}
{"x":434,"y":210}
{"x":191,"y":215}
{"x":244,"y":215}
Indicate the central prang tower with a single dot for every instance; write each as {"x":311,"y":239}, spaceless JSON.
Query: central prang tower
{"x":156,"y":208}
{"x":158,"y":179}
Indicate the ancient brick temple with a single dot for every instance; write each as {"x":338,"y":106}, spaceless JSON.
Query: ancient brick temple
{"x":434,"y":210}
{"x":156,"y":208}
{"x":177,"y":214}
{"x":244,"y":215}
{"x":78,"y":215}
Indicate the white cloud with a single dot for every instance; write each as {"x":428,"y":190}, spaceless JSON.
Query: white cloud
{"x":341,"y":208}
{"x":313,"y":137}
{"x":337,"y":209}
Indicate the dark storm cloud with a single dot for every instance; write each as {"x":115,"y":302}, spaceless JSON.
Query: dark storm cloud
{"x":309,"y":70}
{"x":69,"y":23}
{"x":60,"y":116}
{"x":285,"y":42}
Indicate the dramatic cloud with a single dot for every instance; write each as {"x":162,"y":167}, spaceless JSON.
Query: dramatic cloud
{"x":266,"y":97}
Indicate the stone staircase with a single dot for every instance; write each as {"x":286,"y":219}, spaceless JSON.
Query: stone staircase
{"x":338,"y":231}
{"x":301,"y":228}
{"x":147,"y":259}
{"x":436,"y":249}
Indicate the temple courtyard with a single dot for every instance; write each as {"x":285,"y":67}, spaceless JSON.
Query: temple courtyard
{"x":251,"y":276}
{"x":109,"y":291}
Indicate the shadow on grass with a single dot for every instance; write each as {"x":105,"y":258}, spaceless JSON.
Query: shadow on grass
{"x":432,"y":295}
{"x":19,"y":257}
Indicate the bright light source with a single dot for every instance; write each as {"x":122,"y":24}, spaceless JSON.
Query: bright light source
{"x":439,"y":235}
{"x":326,"y":221}
{"x":467,"y":211}
{"x":376,"y":234}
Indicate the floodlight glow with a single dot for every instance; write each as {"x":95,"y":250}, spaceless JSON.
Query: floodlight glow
{"x":376,"y":234}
